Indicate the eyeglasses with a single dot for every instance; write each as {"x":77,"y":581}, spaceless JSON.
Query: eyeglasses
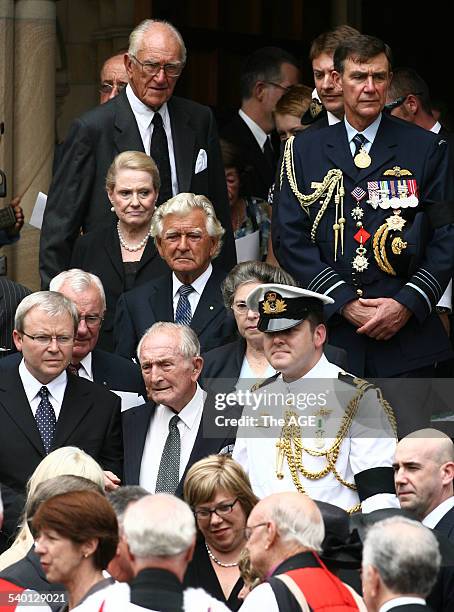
{"x":248,"y":530}
{"x":46,"y":340}
{"x":153,"y":68}
{"x":91,"y":320}
{"x":240,"y":308}
{"x":399,"y":101}
{"x":222,"y":510}
{"x":278,"y":85}
{"x":107,"y":88}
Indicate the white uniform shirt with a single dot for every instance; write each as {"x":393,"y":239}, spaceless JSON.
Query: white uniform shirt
{"x":360,"y":450}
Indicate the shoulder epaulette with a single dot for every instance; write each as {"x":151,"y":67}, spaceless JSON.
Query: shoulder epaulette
{"x":354,"y":381}
{"x":315,"y":112}
{"x":265,"y":382}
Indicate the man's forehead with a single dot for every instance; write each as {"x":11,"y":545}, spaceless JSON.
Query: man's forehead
{"x":324,"y":61}
{"x":177,"y":222}
{"x":43,"y":317}
{"x":159,"y":41}
{"x":378,"y":63}
{"x":415,"y":450}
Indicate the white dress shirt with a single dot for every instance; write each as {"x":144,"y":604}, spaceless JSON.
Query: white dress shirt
{"x":260,"y":136}
{"x":401,"y":601}
{"x":86,"y":367}
{"x":188,"y":426}
{"x":198,"y":285}
{"x":370,"y":132}
{"x":144,"y":117}
{"x":434,"y":517}
{"x":32,"y":387}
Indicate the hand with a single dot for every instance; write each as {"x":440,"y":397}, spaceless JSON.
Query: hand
{"x":19,"y":214}
{"x":389,"y":318}
{"x":111,"y":481}
{"x":444,"y":318}
{"x":358,"y":314}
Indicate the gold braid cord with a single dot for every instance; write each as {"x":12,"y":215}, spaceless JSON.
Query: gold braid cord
{"x":333,"y":180}
{"x":291,"y":442}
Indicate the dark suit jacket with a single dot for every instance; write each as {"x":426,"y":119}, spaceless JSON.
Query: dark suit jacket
{"x":260,"y":175}
{"x":89,"y":419}
{"x":138,"y":309}
{"x":422,"y":341}
{"x":28,"y":573}
{"x":11,"y":294}
{"x":136,"y":422}
{"x":99,"y":252}
{"x":411,"y":608}
{"x":446,"y":525}
{"x":225,"y":362}
{"x":77,"y":196}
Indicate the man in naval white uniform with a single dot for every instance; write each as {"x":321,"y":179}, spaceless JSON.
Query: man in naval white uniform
{"x":312,"y":426}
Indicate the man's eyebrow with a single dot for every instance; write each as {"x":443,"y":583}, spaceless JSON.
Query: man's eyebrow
{"x":407,"y":464}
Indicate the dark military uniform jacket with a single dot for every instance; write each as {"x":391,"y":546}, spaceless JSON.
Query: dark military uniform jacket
{"x":308,"y":252}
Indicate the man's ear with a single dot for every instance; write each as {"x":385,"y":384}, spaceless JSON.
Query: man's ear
{"x":412,"y":104}
{"x":258,"y":90}
{"x":337,"y":78}
{"x":197,"y":363}
{"x":17,"y":338}
{"x":128,"y":64}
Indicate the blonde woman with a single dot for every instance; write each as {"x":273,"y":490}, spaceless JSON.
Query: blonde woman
{"x":66,"y":460}
{"x":220,"y":495}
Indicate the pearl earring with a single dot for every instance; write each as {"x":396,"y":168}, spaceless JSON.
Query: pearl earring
{"x":112,"y":209}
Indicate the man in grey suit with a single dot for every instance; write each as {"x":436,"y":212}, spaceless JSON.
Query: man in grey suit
{"x":179,"y":134}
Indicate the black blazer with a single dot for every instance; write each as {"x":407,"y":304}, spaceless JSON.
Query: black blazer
{"x":77,"y":196}
{"x":446,"y":525}
{"x":11,"y":294}
{"x":138,"y":309}
{"x":136,"y":422}
{"x":89,"y":419}
{"x":261,"y":174}
{"x":99,"y":252}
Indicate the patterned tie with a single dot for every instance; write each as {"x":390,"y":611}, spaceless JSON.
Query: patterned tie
{"x":159,"y":151}
{"x":73,"y":369}
{"x":169,"y":468}
{"x":359,"y":141}
{"x":45,"y":419}
{"x":183,"y":312}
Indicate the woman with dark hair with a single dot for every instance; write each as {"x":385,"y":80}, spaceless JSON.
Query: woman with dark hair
{"x":249,"y":214}
{"x":76,"y":536}
{"x":220,"y":495}
{"x":244,"y":358}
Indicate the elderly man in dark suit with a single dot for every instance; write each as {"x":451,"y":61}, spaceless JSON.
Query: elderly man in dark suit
{"x":11,"y":294}
{"x":42,"y":408}
{"x":179,"y":134}
{"x":164,"y":437}
{"x":188,"y":236}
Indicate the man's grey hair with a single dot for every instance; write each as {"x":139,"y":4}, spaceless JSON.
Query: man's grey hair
{"x":57,"y":486}
{"x":79,"y":281}
{"x":53,"y":303}
{"x":165,"y":532}
{"x":405,"y":554}
{"x":183,"y":204}
{"x":123,"y":496}
{"x":189,"y":345}
{"x":252,"y":272}
{"x":136,"y":36}
{"x":305,"y":529}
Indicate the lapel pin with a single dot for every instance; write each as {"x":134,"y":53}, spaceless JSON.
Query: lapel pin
{"x":211,"y":307}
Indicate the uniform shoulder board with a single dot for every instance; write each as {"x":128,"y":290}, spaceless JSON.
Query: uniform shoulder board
{"x":315,"y":112}
{"x":354,"y":381}
{"x":264,"y":383}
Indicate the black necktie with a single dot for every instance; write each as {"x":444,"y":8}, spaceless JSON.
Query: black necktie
{"x":169,"y":468}
{"x":73,"y":369}
{"x":268,"y":152}
{"x":359,"y":141}
{"x":45,"y":419}
{"x":159,"y":151}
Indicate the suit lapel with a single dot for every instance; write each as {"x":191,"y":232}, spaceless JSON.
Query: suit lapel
{"x":16,"y":405}
{"x":113,"y":250}
{"x":76,"y":404}
{"x":127,"y":136}
{"x":136,"y":422}
{"x":161,"y":299}
{"x":149,"y":253}
{"x":210,"y":303}
{"x":183,"y":137}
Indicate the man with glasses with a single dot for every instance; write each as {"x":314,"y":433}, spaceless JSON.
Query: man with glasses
{"x":116,"y":373}
{"x":179,"y":134}
{"x":266,"y":75}
{"x":114,"y":78}
{"x":43,"y":408}
{"x":284,"y":533}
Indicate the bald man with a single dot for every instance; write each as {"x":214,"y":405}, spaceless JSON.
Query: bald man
{"x":423,"y":475}
{"x":283,"y":532}
{"x":114,"y":78}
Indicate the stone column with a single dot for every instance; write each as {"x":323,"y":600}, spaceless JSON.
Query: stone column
{"x":6,"y":88}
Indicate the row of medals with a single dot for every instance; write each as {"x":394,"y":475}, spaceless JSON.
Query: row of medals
{"x":362,"y":160}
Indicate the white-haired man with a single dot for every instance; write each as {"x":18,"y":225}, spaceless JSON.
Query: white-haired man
{"x":159,"y":532}
{"x":188,"y":237}
{"x":164,"y":437}
{"x":401,"y":561}
{"x":424,"y":474}
{"x":179,"y":134}
{"x":284,"y":533}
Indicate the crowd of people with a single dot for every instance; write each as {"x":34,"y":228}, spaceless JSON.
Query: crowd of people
{"x":188,"y":420}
